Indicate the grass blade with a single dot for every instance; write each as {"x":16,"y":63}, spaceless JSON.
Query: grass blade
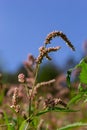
{"x":24,"y":125}
{"x":77,"y":124}
{"x":76,"y":98}
{"x":55,"y":109}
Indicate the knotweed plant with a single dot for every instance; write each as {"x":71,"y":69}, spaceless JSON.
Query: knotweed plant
{"x":38,"y":106}
{"x":32,"y":65}
{"x":28,"y":105}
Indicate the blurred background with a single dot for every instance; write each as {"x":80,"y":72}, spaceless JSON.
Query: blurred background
{"x":24,"y":26}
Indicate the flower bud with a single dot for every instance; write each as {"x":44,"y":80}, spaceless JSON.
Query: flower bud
{"x":21,"y":78}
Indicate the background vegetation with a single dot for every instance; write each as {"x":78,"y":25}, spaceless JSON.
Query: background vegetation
{"x":70,"y":89}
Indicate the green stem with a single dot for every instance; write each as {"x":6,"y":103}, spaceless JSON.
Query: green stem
{"x":30,"y":100}
{"x":17,"y":121}
{"x":5,"y":125}
{"x":36,"y":73}
{"x":29,"y":104}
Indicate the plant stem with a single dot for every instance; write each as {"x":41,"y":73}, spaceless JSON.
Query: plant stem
{"x":5,"y":125}
{"x":36,"y":73}
{"x":17,"y":121}
{"x":29,"y":104}
{"x":31,"y":96}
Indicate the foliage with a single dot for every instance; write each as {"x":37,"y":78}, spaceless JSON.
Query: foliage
{"x":29,"y":106}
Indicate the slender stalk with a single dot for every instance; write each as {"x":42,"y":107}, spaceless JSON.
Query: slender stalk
{"x":5,"y":125}
{"x":30,"y":96}
{"x":17,"y":121}
{"x":36,"y":73}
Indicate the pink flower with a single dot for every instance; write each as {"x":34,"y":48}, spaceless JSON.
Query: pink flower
{"x":21,"y":78}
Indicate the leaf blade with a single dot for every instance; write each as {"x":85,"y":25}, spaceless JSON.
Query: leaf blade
{"x":77,"y":124}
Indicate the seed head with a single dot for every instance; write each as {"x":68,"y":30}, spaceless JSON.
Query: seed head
{"x":58,"y":34}
{"x":44,"y":53}
{"x":15,"y":105}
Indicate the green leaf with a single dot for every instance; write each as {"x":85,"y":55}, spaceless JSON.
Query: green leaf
{"x":9,"y":125}
{"x":76,"y":98}
{"x":80,"y":88}
{"x":77,"y":124}
{"x":56,"y":109}
{"x":83,"y":73}
{"x":24,"y":125}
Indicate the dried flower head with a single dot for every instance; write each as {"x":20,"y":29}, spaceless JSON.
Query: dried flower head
{"x":52,"y":102}
{"x":21,"y":78}
{"x":47,"y":83}
{"x":59,"y":34}
{"x":15,"y":101}
{"x":44,"y":53}
{"x":15,"y":97}
{"x":17,"y":108}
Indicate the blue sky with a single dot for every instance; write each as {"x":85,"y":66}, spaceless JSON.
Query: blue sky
{"x":24,"y":24}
